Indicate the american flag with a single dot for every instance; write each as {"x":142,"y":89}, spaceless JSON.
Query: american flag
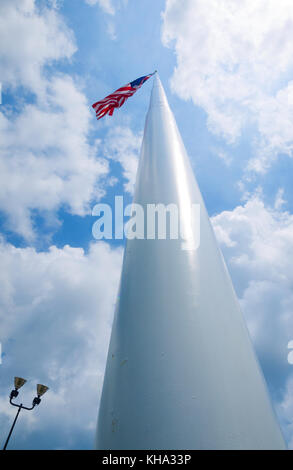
{"x":118,"y":97}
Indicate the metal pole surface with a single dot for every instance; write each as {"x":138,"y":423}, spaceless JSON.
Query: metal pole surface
{"x":181,"y":370}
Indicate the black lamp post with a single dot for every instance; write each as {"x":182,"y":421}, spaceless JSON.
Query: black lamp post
{"x":19,"y":382}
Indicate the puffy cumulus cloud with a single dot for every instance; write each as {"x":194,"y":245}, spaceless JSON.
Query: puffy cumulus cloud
{"x":275,"y":125}
{"x":234,"y":59}
{"x":56,"y":311}
{"x":45,"y":158}
{"x":123,"y":146}
{"x":46,"y":161}
{"x":257,"y":242}
{"x":40,"y":37}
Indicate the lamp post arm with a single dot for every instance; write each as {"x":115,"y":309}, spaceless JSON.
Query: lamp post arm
{"x":21,"y":405}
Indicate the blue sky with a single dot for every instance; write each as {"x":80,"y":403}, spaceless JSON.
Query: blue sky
{"x":228,"y":74}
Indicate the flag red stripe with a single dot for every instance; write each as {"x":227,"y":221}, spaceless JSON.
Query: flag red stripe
{"x":117,"y":98}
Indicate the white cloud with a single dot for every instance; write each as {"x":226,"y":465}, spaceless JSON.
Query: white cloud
{"x":234,"y":59}
{"x":122,"y":145}
{"x":223,"y":155}
{"x":111,"y":30}
{"x":105,"y":5}
{"x":110,"y":7}
{"x":29,"y":39}
{"x":56,"y":309}
{"x":275,"y":124}
{"x":46,"y":160}
{"x":257,"y":242}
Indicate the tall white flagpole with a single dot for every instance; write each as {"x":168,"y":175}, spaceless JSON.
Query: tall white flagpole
{"x":181,"y":370}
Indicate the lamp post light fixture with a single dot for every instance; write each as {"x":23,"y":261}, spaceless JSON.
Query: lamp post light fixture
{"x":18,"y":383}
